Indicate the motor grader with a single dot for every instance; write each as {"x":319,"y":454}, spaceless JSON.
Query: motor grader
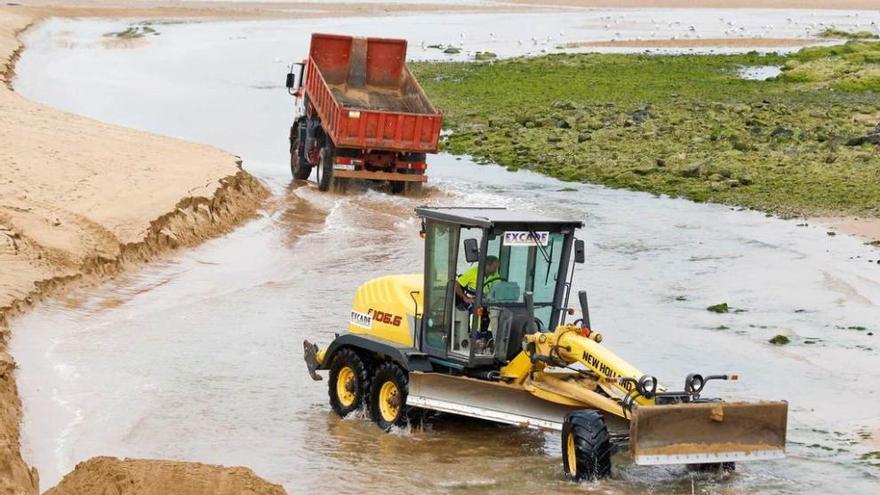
{"x":505,"y":353}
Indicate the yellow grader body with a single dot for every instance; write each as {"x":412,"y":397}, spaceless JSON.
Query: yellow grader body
{"x":563,"y":378}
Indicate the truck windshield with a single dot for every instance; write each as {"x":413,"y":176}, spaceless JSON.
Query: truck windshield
{"x":529,"y":261}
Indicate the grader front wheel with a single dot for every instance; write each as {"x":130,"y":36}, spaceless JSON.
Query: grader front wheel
{"x":388,"y":396}
{"x":586,"y":446}
{"x":349,"y":382}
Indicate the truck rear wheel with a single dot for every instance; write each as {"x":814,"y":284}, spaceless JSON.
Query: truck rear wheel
{"x":325,"y":168}
{"x":299,"y":168}
{"x":398,"y":187}
{"x":388,"y":396}
{"x":406,"y":187}
{"x":586,"y":446}
{"x":349,"y":382}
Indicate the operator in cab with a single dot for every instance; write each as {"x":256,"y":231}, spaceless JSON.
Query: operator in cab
{"x":466,"y":288}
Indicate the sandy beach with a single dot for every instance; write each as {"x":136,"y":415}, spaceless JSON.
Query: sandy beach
{"x":81,"y":201}
{"x":710,"y":4}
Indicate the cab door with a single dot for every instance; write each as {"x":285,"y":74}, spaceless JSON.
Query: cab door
{"x":441,"y":251}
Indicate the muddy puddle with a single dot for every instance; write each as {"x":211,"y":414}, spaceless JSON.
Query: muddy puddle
{"x":199,"y":356}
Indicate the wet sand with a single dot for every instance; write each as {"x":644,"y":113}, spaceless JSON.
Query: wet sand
{"x":81,"y":200}
{"x":710,"y":4}
{"x":106,"y":475}
{"x":864,"y":228}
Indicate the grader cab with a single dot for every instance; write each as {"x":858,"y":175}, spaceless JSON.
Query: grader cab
{"x":483,"y":332}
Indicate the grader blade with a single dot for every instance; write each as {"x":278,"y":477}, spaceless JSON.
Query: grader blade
{"x":709,"y":432}
{"x":491,"y":401}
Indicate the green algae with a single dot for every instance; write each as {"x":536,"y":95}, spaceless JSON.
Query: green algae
{"x":780,"y":340}
{"x":719,"y":308}
{"x":683,"y":126}
{"x":133,"y":32}
{"x":849,"y":35}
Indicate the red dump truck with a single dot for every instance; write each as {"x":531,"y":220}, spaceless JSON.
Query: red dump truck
{"x":360,"y":114}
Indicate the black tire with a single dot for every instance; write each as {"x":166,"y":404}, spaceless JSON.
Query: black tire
{"x":325,"y":168}
{"x":713,"y":467}
{"x":398,"y":187}
{"x":299,"y":167}
{"x":585,"y":437}
{"x":388,"y":410}
{"x":356,"y":374}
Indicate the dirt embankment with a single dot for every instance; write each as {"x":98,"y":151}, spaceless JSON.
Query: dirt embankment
{"x":81,"y":200}
{"x":149,"y":477}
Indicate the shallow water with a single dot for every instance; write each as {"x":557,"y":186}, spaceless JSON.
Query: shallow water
{"x":760,"y":72}
{"x":199,"y":356}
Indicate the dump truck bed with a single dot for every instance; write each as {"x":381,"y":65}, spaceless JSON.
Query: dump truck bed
{"x":367,"y":98}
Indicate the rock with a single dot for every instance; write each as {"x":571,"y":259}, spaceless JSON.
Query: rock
{"x":780,"y":340}
{"x":485,"y":56}
{"x":584,"y":136}
{"x":660,"y":162}
{"x":642,"y":114}
{"x":719,"y":308}
{"x":831,"y":233}
{"x":782,"y":132}
{"x":452,"y":50}
{"x":732,"y":183}
{"x":718,"y":186}
{"x":562,"y":124}
{"x":564,"y":105}
{"x":692,"y":170}
{"x":860,"y":140}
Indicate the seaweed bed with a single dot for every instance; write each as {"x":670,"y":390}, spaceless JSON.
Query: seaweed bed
{"x":803,"y":143}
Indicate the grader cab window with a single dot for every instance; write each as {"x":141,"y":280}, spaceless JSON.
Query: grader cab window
{"x":440,"y":272}
{"x":529,"y":261}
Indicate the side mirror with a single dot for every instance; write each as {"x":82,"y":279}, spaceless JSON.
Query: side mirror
{"x":471,"y":251}
{"x":294,"y":82}
{"x":580,"y":252}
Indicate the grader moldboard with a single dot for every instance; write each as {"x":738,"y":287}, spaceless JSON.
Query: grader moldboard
{"x":508,"y":355}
